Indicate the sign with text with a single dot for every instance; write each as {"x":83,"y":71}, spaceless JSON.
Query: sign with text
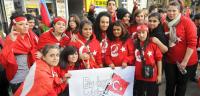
{"x":102,"y":82}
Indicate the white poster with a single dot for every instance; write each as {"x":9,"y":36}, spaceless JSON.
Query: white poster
{"x":102,"y":82}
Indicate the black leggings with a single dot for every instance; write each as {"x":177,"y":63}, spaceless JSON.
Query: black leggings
{"x":143,"y":87}
{"x":176,"y":83}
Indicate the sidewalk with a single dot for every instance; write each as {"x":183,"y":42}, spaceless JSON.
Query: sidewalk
{"x":192,"y":89}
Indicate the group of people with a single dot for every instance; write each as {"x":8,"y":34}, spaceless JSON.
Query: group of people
{"x":154,"y":43}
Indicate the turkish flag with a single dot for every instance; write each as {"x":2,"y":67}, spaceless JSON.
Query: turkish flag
{"x":44,"y":13}
{"x":117,"y":85}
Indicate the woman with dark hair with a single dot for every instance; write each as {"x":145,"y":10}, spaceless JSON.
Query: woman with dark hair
{"x":68,"y":61}
{"x":41,"y":77}
{"x":124,"y":15}
{"x":20,"y":46}
{"x":88,"y":46}
{"x":73,"y":26}
{"x":55,"y":35}
{"x":101,"y":28}
{"x":32,"y":24}
{"x":182,"y":54}
{"x":120,"y":47}
{"x":156,"y":31}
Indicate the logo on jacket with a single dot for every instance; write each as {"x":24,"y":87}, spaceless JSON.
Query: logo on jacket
{"x":114,"y":50}
{"x":104,"y":45}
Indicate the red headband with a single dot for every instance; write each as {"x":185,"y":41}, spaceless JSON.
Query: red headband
{"x":59,"y":19}
{"x":142,"y":28}
{"x":18,"y":19}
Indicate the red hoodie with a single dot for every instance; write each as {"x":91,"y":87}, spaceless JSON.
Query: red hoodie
{"x":94,"y":48}
{"x":117,"y":53}
{"x":187,"y":38}
{"x":49,"y":38}
{"x":152,"y":54}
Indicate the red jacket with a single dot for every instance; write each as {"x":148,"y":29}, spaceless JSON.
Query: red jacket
{"x":104,"y":45}
{"x":61,"y":73}
{"x":39,"y":81}
{"x":49,"y":38}
{"x":117,"y":53}
{"x":152,"y":54}
{"x":94,"y":48}
{"x":132,"y":29}
{"x":187,"y":33}
{"x":28,"y":46}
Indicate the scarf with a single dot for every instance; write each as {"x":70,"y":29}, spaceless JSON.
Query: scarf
{"x":172,"y":30}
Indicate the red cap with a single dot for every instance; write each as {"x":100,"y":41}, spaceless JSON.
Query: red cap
{"x":142,"y":28}
{"x":59,"y":19}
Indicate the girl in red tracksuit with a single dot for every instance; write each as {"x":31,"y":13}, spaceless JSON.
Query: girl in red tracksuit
{"x":120,"y":47}
{"x":88,"y":47}
{"x":68,"y":61}
{"x":151,"y":56}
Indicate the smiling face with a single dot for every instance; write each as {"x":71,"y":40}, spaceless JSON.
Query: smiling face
{"x":126,"y":18}
{"x":104,"y":23}
{"x":111,"y":7}
{"x":140,"y":18}
{"x":59,"y":27}
{"x":117,"y":31}
{"x":172,"y":12}
{"x":52,"y":57}
{"x":73,"y":58}
{"x":87,"y":31}
{"x":153,"y":23}
{"x":142,"y":35}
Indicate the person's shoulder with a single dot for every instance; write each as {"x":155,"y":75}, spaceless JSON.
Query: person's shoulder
{"x":186,"y":19}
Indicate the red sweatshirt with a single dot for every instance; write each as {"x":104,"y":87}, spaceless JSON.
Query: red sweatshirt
{"x":187,"y":38}
{"x":26,"y":45}
{"x":49,"y":38}
{"x":117,"y":53}
{"x":94,"y":47}
{"x":152,"y":54}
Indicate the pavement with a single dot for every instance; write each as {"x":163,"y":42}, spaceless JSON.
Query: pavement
{"x":192,"y":89}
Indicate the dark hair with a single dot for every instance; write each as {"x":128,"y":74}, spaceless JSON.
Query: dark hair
{"x":121,"y":12}
{"x":47,"y":47}
{"x":155,"y":14}
{"x":77,"y":21}
{"x":29,"y":17}
{"x":83,"y":22}
{"x":152,"y":7}
{"x":134,"y":15}
{"x":15,"y":15}
{"x":197,"y":16}
{"x":124,"y":35}
{"x":96,"y":27}
{"x":69,"y":50}
{"x":109,"y":1}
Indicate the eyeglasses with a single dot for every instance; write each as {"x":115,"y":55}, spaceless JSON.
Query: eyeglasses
{"x":154,"y":21}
